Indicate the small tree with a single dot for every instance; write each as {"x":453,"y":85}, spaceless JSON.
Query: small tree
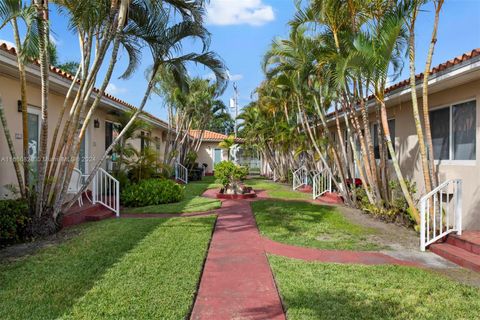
{"x":230,"y":176}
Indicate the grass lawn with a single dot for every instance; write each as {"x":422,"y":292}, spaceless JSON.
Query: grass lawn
{"x":114,"y":269}
{"x":193,"y":201}
{"x":312,"y":290}
{"x":310,"y":225}
{"x":277,"y":190}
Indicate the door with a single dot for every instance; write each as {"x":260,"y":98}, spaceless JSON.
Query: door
{"x":83,"y":155}
{"x":217,"y":156}
{"x":33,"y":143}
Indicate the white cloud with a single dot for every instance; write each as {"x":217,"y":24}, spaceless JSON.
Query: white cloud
{"x":234,"y":12}
{"x":231,"y":77}
{"x":114,"y":89}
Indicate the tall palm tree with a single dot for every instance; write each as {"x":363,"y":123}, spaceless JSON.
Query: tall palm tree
{"x":153,"y":26}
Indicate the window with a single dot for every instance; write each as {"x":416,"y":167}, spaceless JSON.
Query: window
{"x":111,"y":132}
{"x":454,"y":131}
{"x":375,"y":133}
{"x":144,"y":140}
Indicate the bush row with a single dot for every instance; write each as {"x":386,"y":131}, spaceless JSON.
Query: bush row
{"x":14,"y":221}
{"x":151,"y":192}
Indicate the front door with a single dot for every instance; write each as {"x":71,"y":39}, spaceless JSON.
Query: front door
{"x":217,"y":156}
{"x":82,"y":156}
{"x":33,"y":143}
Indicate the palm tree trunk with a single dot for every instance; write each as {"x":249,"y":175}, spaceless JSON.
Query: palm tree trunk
{"x":416,"y":113}
{"x":23,"y":98}
{"x":11,"y":148}
{"x":406,"y":193}
{"x":426,"y":115}
{"x":43,"y":32}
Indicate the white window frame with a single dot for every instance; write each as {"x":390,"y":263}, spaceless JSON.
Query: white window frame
{"x":450,"y":161}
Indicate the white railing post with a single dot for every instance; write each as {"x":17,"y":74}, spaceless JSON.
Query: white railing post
{"x":433,"y":209}
{"x":106,"y":191}
{"x":458,"y":207}
{"x":422,"y":225}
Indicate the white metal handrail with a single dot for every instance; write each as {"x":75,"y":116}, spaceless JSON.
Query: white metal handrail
{"x":441,"y":212}
{"x":322,"y":183}
{"x":106,"y":191}
{"x":300,"y":177}
{"x":275,"y":175}
{"x":181,"y":173}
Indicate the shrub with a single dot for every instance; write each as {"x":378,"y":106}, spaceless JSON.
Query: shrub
{"x":14,"y":221}
{"x":151,"y":192}
{"x":228,"y":173}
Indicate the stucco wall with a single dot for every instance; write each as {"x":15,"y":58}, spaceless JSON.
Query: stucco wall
{"x":406,"y":146}
{"x":95,"y":143}
{"x":205,"y":154}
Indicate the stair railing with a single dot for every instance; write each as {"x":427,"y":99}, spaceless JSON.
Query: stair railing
{"x":181,"y":172}
{"x":106,"y":191}
{"x":322,"y":183}
{"x":441,"y":212}
{"x":300,"y":177}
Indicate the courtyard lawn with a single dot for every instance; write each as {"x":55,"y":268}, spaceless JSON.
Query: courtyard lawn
{"x":312,"y":290}
{"x":310,"y":225}
{"x":114,"y":269}
{"x":193,"y":201}
{"x":277,"y":190}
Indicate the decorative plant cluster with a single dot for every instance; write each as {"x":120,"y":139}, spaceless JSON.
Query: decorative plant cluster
{"x":231,"y":176}
{"x":152,"y":192}
{"x":14,"y":221}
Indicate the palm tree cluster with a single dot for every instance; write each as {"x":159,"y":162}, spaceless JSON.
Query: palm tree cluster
{"x":192,"y":106}
{"x":103,"y":29}
{"x":322,"y":103}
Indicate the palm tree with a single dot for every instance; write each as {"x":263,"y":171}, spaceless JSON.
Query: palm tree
{"x":153,"y":26}
{"x":227,"y":144}
{"x":12,"y":12}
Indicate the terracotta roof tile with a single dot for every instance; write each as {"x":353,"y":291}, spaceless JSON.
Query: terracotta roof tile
{"x":5,"y":47}
{"x":211,"y":136}
{"x":445,"y":65}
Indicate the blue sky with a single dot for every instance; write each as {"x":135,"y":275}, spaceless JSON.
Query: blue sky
{"x":243,"y":29}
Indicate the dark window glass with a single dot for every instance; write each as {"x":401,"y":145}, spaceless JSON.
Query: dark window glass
{"x":440,"y":128}
{"x":376,"y":148}
{"x":108,"y":134}
{"x":464,"y":131}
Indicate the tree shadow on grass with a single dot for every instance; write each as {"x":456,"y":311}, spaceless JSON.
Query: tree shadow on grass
{"x":311,"y":225}
{"x":319,"y":303}
{"x":47,"y":284}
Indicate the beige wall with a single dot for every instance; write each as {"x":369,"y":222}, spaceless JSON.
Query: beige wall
{"x":95,"y":147}
{"x":406,"y":146}
{"x":469,"y":171}
{"x":205,"y":154}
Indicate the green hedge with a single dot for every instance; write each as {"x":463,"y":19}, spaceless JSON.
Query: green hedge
{"x":151,"y":192}
{"x":14,"y":221}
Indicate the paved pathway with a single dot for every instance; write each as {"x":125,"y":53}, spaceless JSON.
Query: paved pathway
{"x":237,"y":282}
{"x":332,"y":256}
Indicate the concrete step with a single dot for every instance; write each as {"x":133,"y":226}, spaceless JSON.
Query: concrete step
{"x":87,"y":212}
{"x":457,"y":255}
{"x":331,"y":198}
{"x":469,"y":241}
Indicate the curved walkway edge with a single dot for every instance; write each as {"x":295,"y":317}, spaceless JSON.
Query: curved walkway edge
{"x":331,"y":256}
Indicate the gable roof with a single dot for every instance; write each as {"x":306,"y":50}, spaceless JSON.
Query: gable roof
{"x":210,"y":136}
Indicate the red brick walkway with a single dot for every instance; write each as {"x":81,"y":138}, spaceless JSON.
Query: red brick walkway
{"x":331,"y":256}
{"x":237,"y":282}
